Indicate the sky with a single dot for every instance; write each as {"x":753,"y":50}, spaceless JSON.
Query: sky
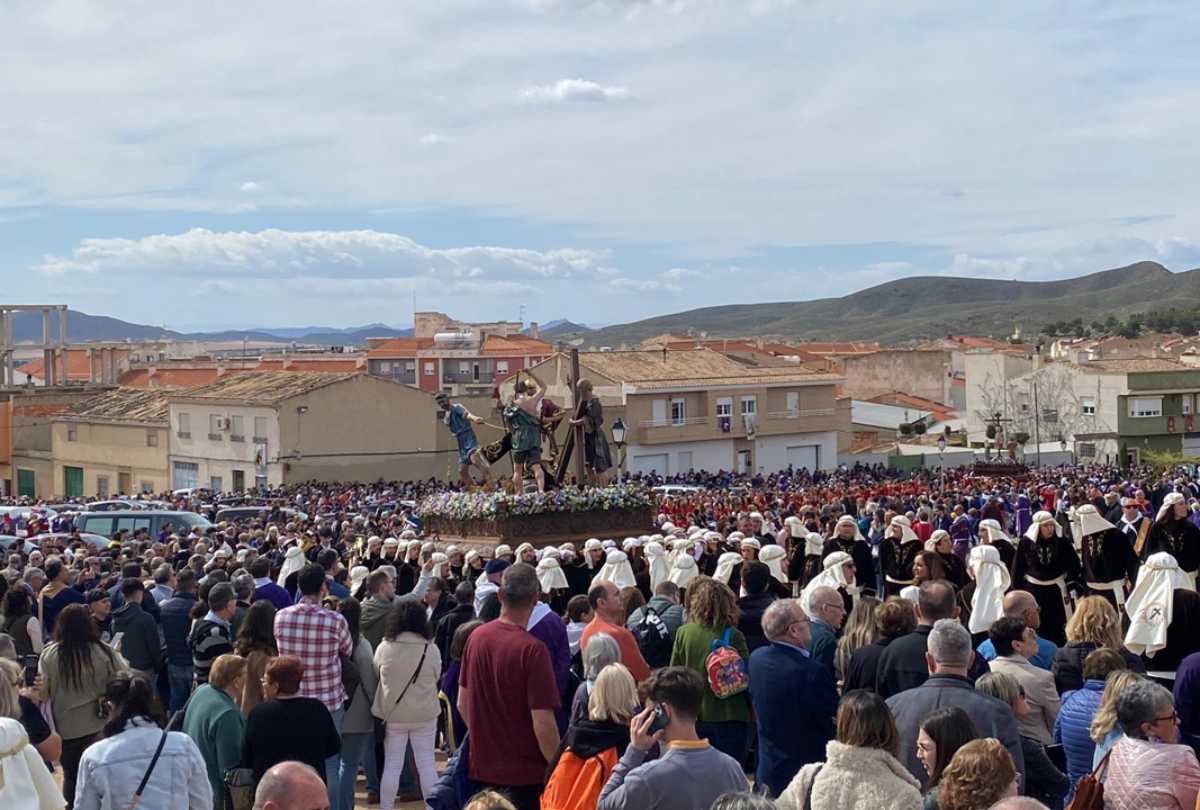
{"x":231,"y":165}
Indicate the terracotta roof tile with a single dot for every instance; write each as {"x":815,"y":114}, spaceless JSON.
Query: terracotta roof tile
{"x":121,"y":405}
{"x":268,"y":387}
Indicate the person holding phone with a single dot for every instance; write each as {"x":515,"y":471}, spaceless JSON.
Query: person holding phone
{"x":690,"y":773}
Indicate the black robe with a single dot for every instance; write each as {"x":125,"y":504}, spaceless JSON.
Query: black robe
{"x":1182,"y":638}
{"x":1107,"y":556}
{"x":896,"y":560}
{"x":1179,"y":538}
{"x":860,"y":552}
{"x":1047,"y":560}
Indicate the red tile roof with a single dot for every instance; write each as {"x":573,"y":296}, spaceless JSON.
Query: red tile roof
{"x":77,"y":365}
{"x":515,"y":344}
{"x":169,"y":377}
{"x":399,"y":347}
{"x":310,"y":364}
{"x":940,"y":410}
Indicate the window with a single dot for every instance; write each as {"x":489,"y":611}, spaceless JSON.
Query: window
{"x":464,"y":366}
{"x":214,"y":427}
{"x":411,"y":366}
{"x":725,"y":406}
{"x":185,"y":475}
{"x":216,"y":484}
{"x":1088,"y":406}
{"x":429,"y":369}
{"x":793,"y":403}
{"x":260,"y":428}
{"x":147,"y":487}
{"x":1086,"y":449}
{"x":1142,"y":407}
{"x":102,"y":486}
{"x":72,"y":433}
{"x":678,"y":411}
{"x":239,"y":480}
{"x":236,"y":434}
{"x":1187,"y":404}
{"x":501,"y":366}
{"x":385,"y":367}
{"x":152,"y":438}
{"x":749,"y":406}
{"x":185,"y":428}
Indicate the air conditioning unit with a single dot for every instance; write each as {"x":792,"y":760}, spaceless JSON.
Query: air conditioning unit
{"x":222,"y":423}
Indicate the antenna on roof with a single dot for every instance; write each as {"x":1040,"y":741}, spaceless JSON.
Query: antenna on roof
{"x":522,"y":316}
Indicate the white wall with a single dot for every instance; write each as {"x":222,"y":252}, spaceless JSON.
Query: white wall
{"x":987,"y":377}
{"x":770,"y":452}
{"x":707,"y":455}
{"x":222,"y":457}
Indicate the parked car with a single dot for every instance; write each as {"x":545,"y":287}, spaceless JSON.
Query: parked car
{"x":239,"y":514}
{"x":114,"y":506}
{"x":8,"y":542}
{"x":96,"y":541}
{"x":108,"y":524}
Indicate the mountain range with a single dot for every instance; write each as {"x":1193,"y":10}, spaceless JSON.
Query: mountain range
{"x":904,"y":310}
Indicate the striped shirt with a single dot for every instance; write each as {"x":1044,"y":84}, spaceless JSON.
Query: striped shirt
{"x":318,"y":637}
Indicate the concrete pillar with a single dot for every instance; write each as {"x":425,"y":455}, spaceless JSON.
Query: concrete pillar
{"x":62,"y":326}
{"x":48,"y":366}
{"x":112,"y":367}
{"x":91,"y":364}
{"x":8,"y":353}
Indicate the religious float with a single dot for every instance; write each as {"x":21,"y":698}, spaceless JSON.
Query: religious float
{"x":568,"y":514}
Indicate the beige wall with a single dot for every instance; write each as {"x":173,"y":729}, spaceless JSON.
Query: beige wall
{"x":109,"y":450}
{"x":32,"y":410}
{"x":919,"y":372}
{"x":222,"y":456}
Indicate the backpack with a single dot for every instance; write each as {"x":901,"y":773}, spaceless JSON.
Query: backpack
{"x":351,"y":677}
{"x":576,"y":782}
{"x":726,"y":670}
{"x":653,"y":638}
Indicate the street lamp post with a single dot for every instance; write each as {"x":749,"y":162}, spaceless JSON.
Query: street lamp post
{"x":941,"y":443}
{"x":618,"y":434}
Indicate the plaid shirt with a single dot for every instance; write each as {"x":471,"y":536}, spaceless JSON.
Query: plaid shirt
{"x":317,"y":636}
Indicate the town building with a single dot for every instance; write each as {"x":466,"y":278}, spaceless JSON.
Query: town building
{"x":112,"y":443}
{"x":699,"y":410}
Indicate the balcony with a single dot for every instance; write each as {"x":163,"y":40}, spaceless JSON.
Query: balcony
{"x":657,"y":431}
{"x":799,"y":421}
{"x":800,"y":414}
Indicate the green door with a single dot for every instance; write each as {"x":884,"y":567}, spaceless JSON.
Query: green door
{"x":26,"y":485}
{"x":73,"y":483}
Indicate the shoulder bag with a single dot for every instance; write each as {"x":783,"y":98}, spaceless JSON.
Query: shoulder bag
{"x":381,"y":723}
{"x":137,"y":794}
{"x":1089,"y":793}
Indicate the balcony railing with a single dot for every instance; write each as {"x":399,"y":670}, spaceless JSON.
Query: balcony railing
{"x":663,"y":423}
{"x":800,"y":414}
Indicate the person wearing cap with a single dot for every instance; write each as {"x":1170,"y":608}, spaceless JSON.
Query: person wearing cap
{"x":1107,"y":557}
{"x":1048,"y":567}
{"x":461,"y":423}
{"x":490,"y":586}
{"x":1174,"y":534}
{"x":897,"y":552}
{"x":848,"y":539}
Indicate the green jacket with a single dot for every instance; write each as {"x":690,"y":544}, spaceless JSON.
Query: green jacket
{"x":75,"y":705}
{"x":215,"y":724}
{"x":693,"y":644}
{"x":823,"y":645}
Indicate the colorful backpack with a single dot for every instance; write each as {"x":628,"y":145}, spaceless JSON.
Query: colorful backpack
{"x":726,"y":670}
{"x":576,"y":782}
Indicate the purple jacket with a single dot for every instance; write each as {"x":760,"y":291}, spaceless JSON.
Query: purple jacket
{"x":277,"y":596}
{"x":548,"y":627}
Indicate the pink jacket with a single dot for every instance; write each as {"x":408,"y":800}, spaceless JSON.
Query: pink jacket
{"x":1151,"y":776}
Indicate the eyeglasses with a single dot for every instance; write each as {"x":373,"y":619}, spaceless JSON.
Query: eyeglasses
{"x":1173,"y":717}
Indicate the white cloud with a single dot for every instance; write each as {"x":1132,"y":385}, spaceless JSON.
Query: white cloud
{"x":431,"y":139}
{"x":680,"y":273}
{"x":250,"y":187}
{"x":567,"y":90}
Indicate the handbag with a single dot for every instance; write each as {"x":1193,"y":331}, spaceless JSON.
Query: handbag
{"x":380,"y":723}
{"x":137,"y":794}
{"x":239,"y":789}
{"x":1089,"y":793}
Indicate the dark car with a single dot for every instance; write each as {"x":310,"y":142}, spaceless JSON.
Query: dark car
{"x":109,"y":523}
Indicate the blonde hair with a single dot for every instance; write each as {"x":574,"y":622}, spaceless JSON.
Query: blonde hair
{"x":225,"y":670}
{"x":1105,"y":718}
{"x":978,"y":776}
{"x":489,"y":800}
{"x":1095,"y":621}
{"x":614,"y":695}
{"x":860,"y":630}
{"x":10,"y":678}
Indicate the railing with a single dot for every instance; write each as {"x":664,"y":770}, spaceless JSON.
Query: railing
{"x":798,"y":414}
{"x":661,"y":423}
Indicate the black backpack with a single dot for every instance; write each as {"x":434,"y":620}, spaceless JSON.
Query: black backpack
{"x":653,"y":639}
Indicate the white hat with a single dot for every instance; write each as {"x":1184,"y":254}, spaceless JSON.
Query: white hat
{"x":1151,"y":605}
{"x":451,"y":550}
{"x":795,"y":526}
{"x":907,"y":533}
{"x":937,"y":536}
{"x":428,"y":547}
{"x":617,"y":570}
{"x":414,"y":545}
{"x":631,"y":543}
{"x":357,"y":574}
{"x":725,"y":565}
{"x":552,"y":552}
{"x":293,"y":560}
{"x":683,"y":570}
{"x":391,"y":541}
{"x":440,"y":563}
{"x":503,"y":550}
{"x":593,"y":545}
{"x":1091,"y":521}
{"x":814,"y":544}
{"x":1033,"y":532}
{"x":992,"y":581}
{"x":832,"y":575}
{"x":994,"y":530}
{"x":773,"y":556}
{"x":656,"y":557}
{"x":668,"y":527}
{"x":407,"y":534}
{"x":472,"y":554}
{"x":521,"y":549}
{"x":1168,"y":502}
{"x":550,"y":575}
{"x":848,"y":520}
{"x":751,"y":542}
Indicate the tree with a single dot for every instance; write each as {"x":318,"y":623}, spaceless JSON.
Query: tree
{"x":1050,"y":329}
{"x":1097,"y":326}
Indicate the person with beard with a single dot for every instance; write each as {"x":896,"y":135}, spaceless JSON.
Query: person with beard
{"x":1047,"y":566}
{"x":847,"y":538}
{"x":991,"y":534}
{"x":1174,"y":534}
{"x":1107,"y":557}
{"x":527,"y":554}
{"x":897,"y":552}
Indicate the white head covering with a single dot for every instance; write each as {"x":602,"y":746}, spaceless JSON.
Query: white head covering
{"x":735,"y":539}
{"x":441,"y":564}
{"x":938,"y":534}
{"x":908,"y":535}
{"x":992,"y":581}
{"x":751,"y":542}
{"x":521,"y":549}
{"x":773,"y":556}
{"x":593,"y":545}
{"x":814,"y":544}
{"x":632,"y":543}
{"x":293,"y":561}
{"x":1151,"y":605}
{"x":847,"y":519}
{"x":503,"y":550}
{"x":725,"y":566}
{"x":1168,"y":502}
{"x":832,"y":576}
{"x":617,"y":570}
{"x":550,"y":575}
{"x":357,"y":574}
{"x":656,"y":557}
{"x":472,"y":554}
{"x":668,"y":527}
{"x":1090,"y":521}
{"x":683,"y":570}
{"x":551,"y":551}
{"x":1038,"y":519}
{"x":795,"y":526}
{"x":994,"y":530}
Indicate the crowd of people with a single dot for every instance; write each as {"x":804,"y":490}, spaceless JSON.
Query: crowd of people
{"x":859,"y":638}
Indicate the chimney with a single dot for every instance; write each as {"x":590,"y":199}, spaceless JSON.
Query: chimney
{"x":664,"y":352}
{"x":533,"y":330}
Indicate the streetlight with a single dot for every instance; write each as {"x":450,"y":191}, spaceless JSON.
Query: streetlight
{"x":618,"y":434}
{"x":941,"y":443}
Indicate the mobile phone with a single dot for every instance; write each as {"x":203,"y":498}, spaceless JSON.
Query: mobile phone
{"x":661,"y":719}
{"x":29,"y":669}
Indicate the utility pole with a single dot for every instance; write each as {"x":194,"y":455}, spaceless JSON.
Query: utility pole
{"x":1037,"y":423}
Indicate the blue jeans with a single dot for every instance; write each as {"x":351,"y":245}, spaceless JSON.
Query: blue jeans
{"x":180,"y":679}
{"x":356,"y":749}
{"x":333,"y":765}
